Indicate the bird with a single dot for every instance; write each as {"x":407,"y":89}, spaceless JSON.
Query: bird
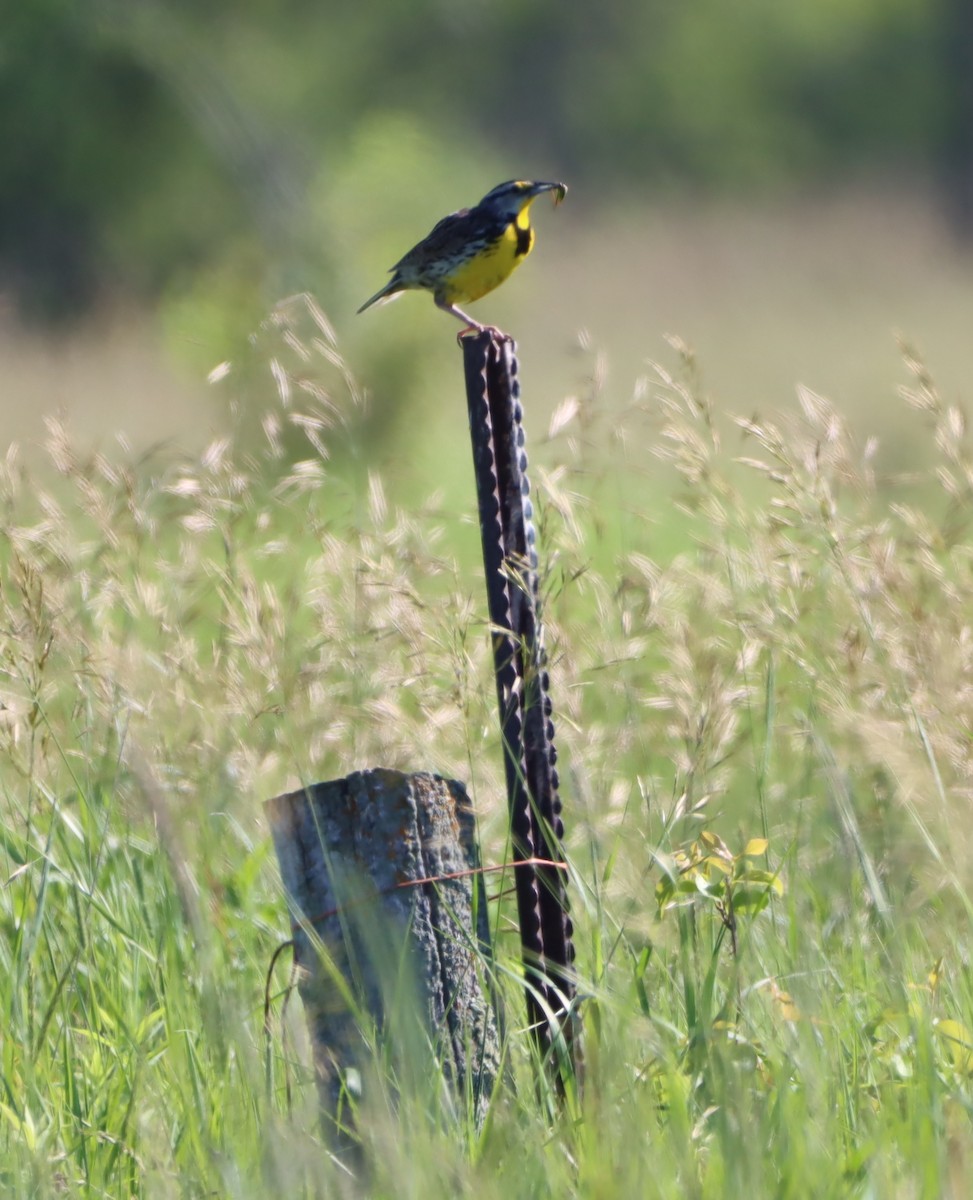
{"x":471,"y":252}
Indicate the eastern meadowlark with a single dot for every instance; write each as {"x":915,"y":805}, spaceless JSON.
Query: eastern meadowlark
{"x":472,"y":251}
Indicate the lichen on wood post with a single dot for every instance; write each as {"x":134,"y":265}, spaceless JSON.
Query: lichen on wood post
{"x":380,"y":870}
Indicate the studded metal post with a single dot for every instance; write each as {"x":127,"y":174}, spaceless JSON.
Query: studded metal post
{"x":523,"y":683}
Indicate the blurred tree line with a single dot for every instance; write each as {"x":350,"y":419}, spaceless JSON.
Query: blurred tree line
{"x":153,"y":144}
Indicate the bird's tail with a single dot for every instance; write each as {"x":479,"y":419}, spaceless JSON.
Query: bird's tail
{"x":392,"y":288}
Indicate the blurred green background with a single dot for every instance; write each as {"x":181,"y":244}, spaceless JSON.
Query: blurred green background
{"x":784,"y":185}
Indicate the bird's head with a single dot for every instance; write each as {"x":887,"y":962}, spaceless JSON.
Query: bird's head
{"x":509,"y":200}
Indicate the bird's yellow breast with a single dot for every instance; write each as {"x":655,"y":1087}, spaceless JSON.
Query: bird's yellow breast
{"x":489,"y":267}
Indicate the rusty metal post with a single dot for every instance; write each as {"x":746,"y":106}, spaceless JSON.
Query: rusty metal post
{"x":523,"y":683}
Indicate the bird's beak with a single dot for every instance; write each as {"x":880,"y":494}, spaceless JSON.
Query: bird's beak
{"x":560,"y":190}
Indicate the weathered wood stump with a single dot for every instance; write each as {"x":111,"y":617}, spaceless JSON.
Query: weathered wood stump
{"x":380,"y":870}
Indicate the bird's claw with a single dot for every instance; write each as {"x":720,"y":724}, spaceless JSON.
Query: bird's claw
{"x":496,"y":334}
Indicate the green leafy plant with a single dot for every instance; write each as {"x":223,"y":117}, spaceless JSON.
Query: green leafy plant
{"x":707,"y":872}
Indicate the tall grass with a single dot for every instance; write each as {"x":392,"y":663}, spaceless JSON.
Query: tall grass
{"x":766,"y":747}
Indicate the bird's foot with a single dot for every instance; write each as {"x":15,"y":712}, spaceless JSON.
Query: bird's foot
{"x":496,"y":334}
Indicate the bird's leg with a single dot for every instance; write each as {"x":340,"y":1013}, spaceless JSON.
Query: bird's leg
{"x":471,"y":325}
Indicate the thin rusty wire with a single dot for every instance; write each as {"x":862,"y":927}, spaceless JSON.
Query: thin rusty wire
{"x":396,"y":887}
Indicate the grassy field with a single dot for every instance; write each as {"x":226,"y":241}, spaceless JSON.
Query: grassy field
{"x":763,"y":676}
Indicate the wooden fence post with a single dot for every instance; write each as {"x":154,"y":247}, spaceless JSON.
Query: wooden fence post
{"x":381,"y":870}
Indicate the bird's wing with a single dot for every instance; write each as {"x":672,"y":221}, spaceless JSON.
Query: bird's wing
{"x":443,"y":237}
